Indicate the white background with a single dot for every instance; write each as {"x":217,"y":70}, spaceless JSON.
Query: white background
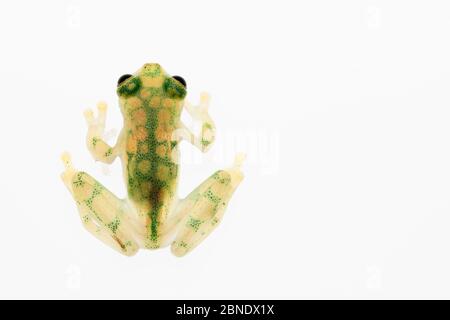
{"x":343,"y":108}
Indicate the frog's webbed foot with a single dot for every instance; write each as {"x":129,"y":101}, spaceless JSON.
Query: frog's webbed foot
{"x":102,"y":213}
{"x":201,"y":211}
{"x":99,"y":149}
{"x":204,"y":140}
{"x":199,"y":112}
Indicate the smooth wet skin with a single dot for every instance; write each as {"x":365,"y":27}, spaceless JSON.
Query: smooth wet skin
{"x":152,"y":216}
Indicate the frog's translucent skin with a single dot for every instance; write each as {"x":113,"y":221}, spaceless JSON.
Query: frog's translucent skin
{"x":151,"y":216}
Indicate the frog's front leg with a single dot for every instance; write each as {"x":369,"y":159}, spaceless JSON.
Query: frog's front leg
{"x":204,"y":140}
{"x":102,"y":213}
{"x":200,"y":212}
{"x":99,"y":149}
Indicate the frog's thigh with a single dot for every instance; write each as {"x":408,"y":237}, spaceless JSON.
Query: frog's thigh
{"x":102,"y":213}
{"x":202,"y":210}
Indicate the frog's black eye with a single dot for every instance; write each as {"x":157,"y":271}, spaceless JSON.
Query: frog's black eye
{"x":180,"y":80}
{"x":123,"y":78}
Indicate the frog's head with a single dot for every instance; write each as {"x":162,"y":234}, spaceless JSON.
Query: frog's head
{"x":151,"y":81}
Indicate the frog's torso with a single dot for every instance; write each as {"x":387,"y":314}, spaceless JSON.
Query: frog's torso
{"x":151,"y":105}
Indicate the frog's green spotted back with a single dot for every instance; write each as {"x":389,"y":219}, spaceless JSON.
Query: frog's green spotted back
{"x":151,"y":107}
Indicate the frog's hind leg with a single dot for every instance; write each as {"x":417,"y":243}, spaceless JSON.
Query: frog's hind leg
{"x":201,"y":211}
{"x":102,"y":213}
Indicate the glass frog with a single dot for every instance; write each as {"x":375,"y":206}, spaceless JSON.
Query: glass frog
{"x":152,"y":215}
